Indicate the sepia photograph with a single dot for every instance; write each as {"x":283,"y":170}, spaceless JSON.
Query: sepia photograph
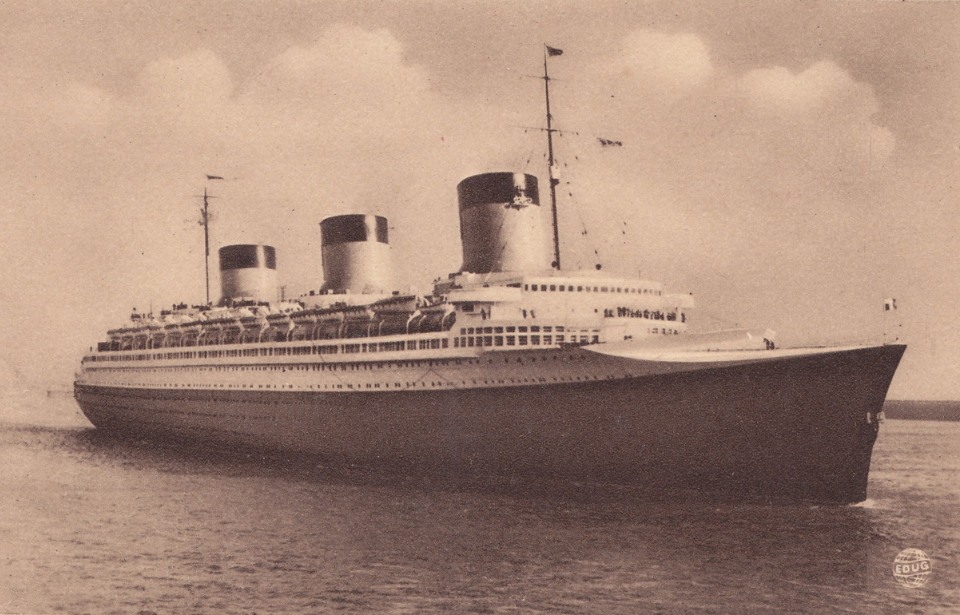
{"x":493,"y":306}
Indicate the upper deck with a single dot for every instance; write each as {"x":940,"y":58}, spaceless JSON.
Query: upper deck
{"x":466,"y":312}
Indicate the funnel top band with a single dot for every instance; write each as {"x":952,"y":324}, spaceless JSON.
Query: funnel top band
{"x":501,"y":187}
{"x":351,"y":228}
{"x":247,"y":256}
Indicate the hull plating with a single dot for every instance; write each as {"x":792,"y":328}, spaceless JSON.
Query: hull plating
{"x":795,"y":427}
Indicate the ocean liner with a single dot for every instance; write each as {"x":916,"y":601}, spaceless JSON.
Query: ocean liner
{"x":511,"y":366}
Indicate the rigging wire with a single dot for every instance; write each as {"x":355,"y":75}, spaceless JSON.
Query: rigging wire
{"x":526,"y":166}
{"x":574,"y":201}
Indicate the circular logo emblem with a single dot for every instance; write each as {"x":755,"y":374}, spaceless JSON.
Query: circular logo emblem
{"x":912,"y":568}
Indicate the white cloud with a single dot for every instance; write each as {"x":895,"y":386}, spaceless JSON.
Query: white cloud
{"x":823,"y":88}
{"x":348,"y":74}
{"x":822,"y":113}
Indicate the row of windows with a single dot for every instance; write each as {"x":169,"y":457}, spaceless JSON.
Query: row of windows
{"x":306,"y":367}
{"x":423,"y":344}
{"x":597,"y":289}
{"x":377,"y":385}
{"x":519,"y":340}
{"x":511,"y":329}
{"x":365,"y":366}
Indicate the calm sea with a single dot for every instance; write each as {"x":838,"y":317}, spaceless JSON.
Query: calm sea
{"x":93,"y":525}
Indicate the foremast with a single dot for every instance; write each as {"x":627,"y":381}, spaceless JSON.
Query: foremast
{"x":551,"y":162}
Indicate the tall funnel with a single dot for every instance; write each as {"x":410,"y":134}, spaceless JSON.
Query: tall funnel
{"x":356,"y":254}
{"x":500,"y":223}
{"x":248,"y":272}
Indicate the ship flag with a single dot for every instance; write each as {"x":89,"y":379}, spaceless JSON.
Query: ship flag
{"x":214,"y":177}
{"x":889,"y":305}
{"x":553,"y":51}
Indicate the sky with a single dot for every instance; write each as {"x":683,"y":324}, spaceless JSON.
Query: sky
{"x":791,"y":164}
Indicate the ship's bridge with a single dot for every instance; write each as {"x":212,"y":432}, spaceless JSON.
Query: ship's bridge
{"x":623,"y":308}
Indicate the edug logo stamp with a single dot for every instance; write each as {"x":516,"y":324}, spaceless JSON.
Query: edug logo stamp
{"x":912,"y":568}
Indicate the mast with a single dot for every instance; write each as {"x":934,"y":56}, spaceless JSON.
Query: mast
{"x":547,"y":52}
{"x":205,"y":221}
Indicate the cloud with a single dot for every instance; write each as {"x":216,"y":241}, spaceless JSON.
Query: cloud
{"x":776,"y":90}
{"x":822,"y":113}
{"x":348,"y":74}
{"x":766,"y":131}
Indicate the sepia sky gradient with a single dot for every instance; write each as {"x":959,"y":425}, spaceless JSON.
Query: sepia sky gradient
{"x":791,"y":164}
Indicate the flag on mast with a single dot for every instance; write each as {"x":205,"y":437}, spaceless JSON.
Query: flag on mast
{"x":553,"y":51}
{"x":214,"y":177}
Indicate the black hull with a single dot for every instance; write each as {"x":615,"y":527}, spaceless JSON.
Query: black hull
{"x":787,"y":428}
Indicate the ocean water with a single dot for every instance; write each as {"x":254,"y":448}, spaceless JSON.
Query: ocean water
{"x":94,"y":525}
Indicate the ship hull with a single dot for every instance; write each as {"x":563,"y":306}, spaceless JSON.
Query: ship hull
{"x":792,"y":427}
